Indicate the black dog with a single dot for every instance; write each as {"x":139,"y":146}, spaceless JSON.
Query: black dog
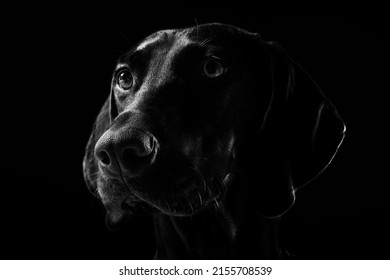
{"x":211,"y":130}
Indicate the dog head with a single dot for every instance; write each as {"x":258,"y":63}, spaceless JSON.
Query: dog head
{"x":191,"y":108}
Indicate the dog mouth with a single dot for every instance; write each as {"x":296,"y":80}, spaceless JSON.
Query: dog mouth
{"x":181,"y":195}
{"x":191,"y":195}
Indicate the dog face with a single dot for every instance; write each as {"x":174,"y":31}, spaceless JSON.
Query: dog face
{"x":185,"y":108}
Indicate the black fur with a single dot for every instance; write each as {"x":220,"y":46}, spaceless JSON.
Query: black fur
{"x":216,"y":159}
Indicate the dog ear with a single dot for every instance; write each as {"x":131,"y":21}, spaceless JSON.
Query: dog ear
{"x":103,"y":121}
{"x":299,"y":136}
{"x":301,"y":119}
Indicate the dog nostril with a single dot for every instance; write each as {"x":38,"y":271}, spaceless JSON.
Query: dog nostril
{"x":104,"y":158}
{"x":138,"y":155}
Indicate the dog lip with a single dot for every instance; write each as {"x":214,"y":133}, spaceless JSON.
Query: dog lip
{"x":107,"y":174}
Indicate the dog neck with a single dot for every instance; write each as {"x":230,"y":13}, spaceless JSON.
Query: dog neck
{"x":214,"y":234}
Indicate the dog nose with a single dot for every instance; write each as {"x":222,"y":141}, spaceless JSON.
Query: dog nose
{"x":130,"y":151}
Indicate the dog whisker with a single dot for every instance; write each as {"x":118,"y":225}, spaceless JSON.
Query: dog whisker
{"x":216,"y":203}
{"x":95,"y":173}
{"x":125,"y":38}
{"x":168,"y":206}
{"x":192,"y":208}
{"x":200,"y":199}
{"x":197,"y":28}
{"x":207,"y":41}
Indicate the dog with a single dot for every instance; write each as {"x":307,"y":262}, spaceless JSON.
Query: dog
{"x":211,"y":130}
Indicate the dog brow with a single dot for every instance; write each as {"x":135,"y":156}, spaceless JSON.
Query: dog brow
{"x":155,"y":38}
{"x":133,"y":57}
{"x":147,"y":42}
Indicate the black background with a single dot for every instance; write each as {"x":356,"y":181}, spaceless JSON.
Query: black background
{"x":58,"y":70}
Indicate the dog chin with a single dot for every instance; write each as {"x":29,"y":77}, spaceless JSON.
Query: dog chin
{"x":116,"y":219}
{"x":118,"y":214}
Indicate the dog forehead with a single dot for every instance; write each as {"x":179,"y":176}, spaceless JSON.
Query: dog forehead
{"x":195,"y":34}
{"x":161,"y":46}
{"x":157,"y":39}
{"x":217,"y":31}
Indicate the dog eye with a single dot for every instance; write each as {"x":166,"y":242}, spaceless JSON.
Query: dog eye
{"x":212,"y":68}
{"x":125,"y":79}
